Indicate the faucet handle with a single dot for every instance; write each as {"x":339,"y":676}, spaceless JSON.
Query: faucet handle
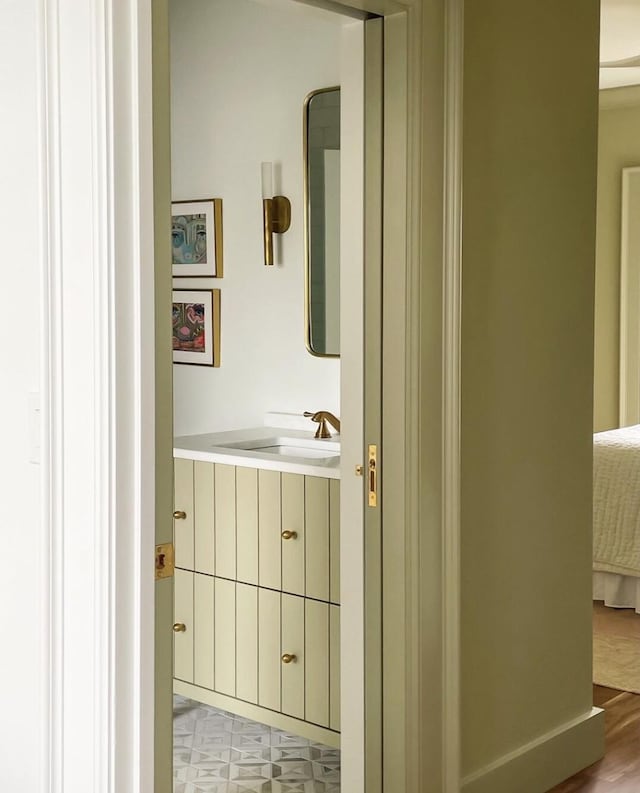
{"x":319,"y":418}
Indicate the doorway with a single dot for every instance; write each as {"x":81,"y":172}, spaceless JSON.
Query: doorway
{"x":616,"y":593}
{"x":222,"y":129}
{"x":122,"y":104}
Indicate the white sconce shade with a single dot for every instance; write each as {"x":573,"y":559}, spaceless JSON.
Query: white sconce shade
{"x":276,"y":212}
{"x":267,"y":180}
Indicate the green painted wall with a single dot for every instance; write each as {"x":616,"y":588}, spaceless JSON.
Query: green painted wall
{"x":618,"y":148}
{"x":530,"y":126}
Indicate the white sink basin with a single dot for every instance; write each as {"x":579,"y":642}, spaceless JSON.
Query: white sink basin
{"x":303,"y":448}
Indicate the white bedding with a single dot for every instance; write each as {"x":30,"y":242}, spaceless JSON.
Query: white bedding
{"x":617,"y":591}
{"x":616,"y":501}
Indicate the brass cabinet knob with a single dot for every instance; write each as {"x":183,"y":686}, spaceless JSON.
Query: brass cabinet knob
{"x":287,"y":659}
{"x":289,"y":535}
{"x":179,"y":627}
{"x":179,"y":515}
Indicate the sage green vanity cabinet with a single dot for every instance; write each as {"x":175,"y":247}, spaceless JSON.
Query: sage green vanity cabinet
{"x":257,"y":590}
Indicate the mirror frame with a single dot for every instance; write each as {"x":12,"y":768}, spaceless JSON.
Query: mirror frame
{"x":305,"y":202}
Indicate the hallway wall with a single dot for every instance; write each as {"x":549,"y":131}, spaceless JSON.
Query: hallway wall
{"x":530,"y":125}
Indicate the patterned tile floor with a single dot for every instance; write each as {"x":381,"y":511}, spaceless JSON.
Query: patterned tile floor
{"x":219,"y":752}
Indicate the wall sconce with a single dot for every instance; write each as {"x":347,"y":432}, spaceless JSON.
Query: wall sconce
{"x":276,"y":212}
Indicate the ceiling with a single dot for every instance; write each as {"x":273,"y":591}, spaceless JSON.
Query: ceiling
{"x":619,"y":39}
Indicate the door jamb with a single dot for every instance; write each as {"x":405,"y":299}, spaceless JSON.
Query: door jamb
{"x":427,"y":448}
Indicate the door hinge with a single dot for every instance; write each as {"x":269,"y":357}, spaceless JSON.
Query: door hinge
{"x":165,"y":561}
{"x":373,"y":476}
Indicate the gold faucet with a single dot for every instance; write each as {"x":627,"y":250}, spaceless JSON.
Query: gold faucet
{"x":321,"y":417}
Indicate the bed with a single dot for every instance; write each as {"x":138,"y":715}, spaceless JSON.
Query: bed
{"x":616,"y":517}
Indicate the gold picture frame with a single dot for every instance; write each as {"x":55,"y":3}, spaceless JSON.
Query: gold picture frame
{"x":196,"y":327}
{"x":196,"y":239}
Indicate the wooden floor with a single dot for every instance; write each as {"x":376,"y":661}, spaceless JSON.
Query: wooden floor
{"x":619,"y":770}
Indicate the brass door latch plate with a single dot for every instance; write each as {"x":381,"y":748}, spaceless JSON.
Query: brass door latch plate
{"x":165,"y":561}
{"x":373,"y":476}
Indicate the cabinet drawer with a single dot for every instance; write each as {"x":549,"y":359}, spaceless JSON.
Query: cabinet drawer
{"x":279,"y":651}
{"x":276,"y":530}
{"x":298,"y":669}
{"x":299,"y":535}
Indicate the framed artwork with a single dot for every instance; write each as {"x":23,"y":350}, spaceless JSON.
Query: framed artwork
{"x":196,"y":238}
{"x":196,"y":326}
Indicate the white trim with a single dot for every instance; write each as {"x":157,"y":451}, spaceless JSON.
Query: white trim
{"x":452,"y":317}
{"x":51,"y":385}
{"x":629,"y":300}
{"x":98,"y":393}
{"x":545,"y":761}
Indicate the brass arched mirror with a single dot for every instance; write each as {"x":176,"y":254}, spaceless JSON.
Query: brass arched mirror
{"x":322,"y":221}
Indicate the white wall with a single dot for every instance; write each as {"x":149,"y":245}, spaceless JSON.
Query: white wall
{"x":24,"y":718}
{"x":240,"y":72}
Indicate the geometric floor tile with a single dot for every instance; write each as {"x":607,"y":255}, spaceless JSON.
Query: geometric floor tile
{"x":219,"y":752}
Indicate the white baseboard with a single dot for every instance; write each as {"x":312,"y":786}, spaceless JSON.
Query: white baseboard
{"x":539,"y":765}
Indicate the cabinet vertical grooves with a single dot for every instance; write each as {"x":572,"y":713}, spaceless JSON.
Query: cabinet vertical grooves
{"x":294,"y":582}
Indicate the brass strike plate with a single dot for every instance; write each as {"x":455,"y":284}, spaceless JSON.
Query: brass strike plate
{"x":372,"y":474}
{"x":165,"y":561}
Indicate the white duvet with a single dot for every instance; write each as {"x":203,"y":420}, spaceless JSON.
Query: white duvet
{"x":616,"y":501}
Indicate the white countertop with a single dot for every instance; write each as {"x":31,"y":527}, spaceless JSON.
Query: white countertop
{"x":207,"y":448}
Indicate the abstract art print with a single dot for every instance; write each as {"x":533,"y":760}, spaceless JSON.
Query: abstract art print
{"x":196,"y":326}
{"x":196,"y":238}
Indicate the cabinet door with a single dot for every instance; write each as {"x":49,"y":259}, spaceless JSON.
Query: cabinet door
{"x":269,"y":654}
{"x":203,"y":495}
{"x":334,"y":667}
{"x":247,"y":642}
{"x":269,"y":527}
{"x":247,"y":524}
{"x":317,"y":537}
{"x":334,"y":540}
{"x":293,"y":645}
{"x":183,"y":613}
{"x":203,"y":638}
{"x":183,"y":502}
{"x":225,"y":520}
{"x":293,"y":533}
{"x":225,"y":637}
{"x":316,"y":680}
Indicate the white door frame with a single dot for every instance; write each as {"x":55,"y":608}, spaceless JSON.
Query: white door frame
{"x":98,"y":394}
